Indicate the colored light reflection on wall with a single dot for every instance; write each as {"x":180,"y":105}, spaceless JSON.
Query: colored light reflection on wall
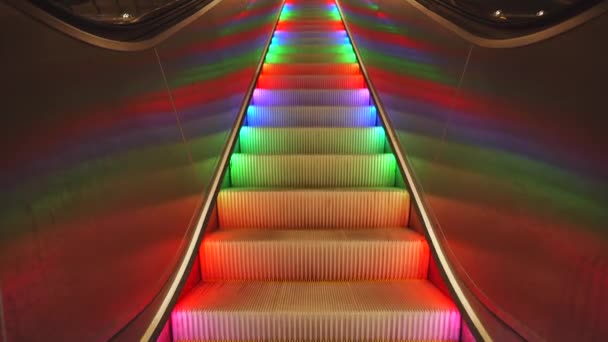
{"x":504,"y":178}
{"x":107,"y":166}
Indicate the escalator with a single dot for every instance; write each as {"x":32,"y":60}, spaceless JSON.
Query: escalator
{"x":312,"y":241}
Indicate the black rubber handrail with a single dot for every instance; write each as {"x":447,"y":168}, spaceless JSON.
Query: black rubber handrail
{"x":502,"y":23}
{"x":141,"y":28}
{"x":142,"y":35}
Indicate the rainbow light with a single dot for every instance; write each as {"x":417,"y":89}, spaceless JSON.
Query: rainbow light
{"x":283,"y":52}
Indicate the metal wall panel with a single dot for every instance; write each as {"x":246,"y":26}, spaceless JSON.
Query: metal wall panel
{"x":509,"y":148}
{"x":106,"y":158}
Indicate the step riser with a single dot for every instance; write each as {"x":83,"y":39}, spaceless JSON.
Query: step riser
{"x":323,"y":41}
{"x":311,"y":69}
{"x":310,"y":117}
{"x":309,"y":49}
{"x":312,"y":140}
{"x":311,"y":82}
{"x":295,"y":326}
{"x":313,"y":209}
{"x":295,"y":35}
{"x":295,"y":26}
{"x":316,"y":312}
{"x":329,"y":257}
{"x":346,"y":58}
{"x":316,"y":171}
{"x":263,"y":97}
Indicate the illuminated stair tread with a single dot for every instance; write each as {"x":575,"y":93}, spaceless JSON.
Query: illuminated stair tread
{"x":309,"y":81}
{"x":310,"y":69}
{"x":310,"y":49}
{"x":346,"y":208}
{"x":310,"y":40}
{"x":311,"y":97}
{"x":308,"y":140}
{"x":311,"y":116}
{"x":302,"y":34}
{"x":312,"y":171}
{"x":310,"y":58}
{"x":316,"y":311}
{"x":329,"y":255}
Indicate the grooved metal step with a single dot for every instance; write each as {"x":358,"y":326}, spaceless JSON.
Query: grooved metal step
{"x":309,"y":48}
{"x":313,"y":171}
{"x":327,"y":255}
{"x":311,"y":116}
{"x":306,"y":140}
{"x":311,"y":40}
{"x":311,"y":58}
{"x":305,"y":34}
{"x":297,"y":97}
{"x":313,"y":208}
{"x":311,"y":82}
{"x":311,"y":26}
{"x":316,"y":311}
{"x":310,"y":69}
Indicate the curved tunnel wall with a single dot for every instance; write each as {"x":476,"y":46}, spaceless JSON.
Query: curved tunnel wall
{"x":509,"y":147}
{"x":106,"y":158}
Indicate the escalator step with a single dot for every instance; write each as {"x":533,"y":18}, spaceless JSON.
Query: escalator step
{"x":311,"y":69}
{"x":313,"y":208}
{"x":302,"y":58}
{"x":313,"y":171}
{"x":288,"y":36}
{"x":311,"y":82}
{"x":311,"y":116}
{"x":311,"y":39}
{"x":310,"y":26}
{"x":316,"y":311}
{"x":306,"y":140}
{"x":265,"y":97}
{"x":309,"y":49}
{"x":321,"y":255}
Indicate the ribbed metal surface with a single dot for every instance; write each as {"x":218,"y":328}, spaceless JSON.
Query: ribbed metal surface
{"x":305,"y":41}
{"x":264,"y":97}
{"x":311,"y":27}
{"x":311,"y":82}
{"x":311,"y":116}
{"x":298,"y":140}
{"x":300,"y":340}
{"x":309,"y":208}
{"x":312,"y":171}
{"x":310,"y":69}
{"x":320,"y":255}
{"x":291,"y":35}
{"x":310,"y":58}
{"x":324,"y":311}
{"x":316,"y":48}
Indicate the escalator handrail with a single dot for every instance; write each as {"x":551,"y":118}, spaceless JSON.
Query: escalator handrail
{"x":524,"y":39}
{"x":477,"y":327}
{"x":80,"y":34}
{"x":185,"y":264}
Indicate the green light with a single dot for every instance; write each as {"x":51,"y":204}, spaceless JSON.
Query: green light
{"x":316,"y":58}
{"x":306,"y":140}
